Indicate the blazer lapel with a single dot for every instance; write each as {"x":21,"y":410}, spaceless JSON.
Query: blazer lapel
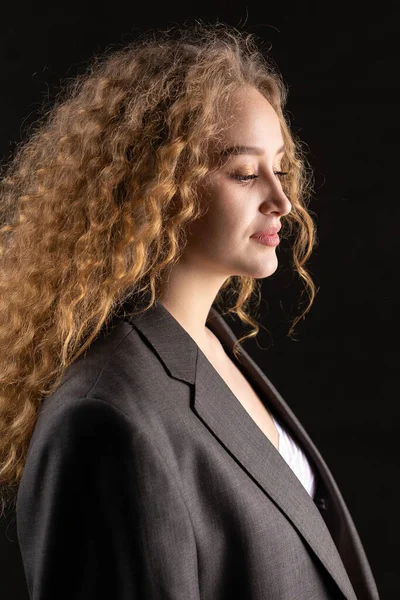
{"x":244,"y":439}
{"x":224,"y":415}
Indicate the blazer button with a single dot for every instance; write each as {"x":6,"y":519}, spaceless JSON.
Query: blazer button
{"x":321,"y":503}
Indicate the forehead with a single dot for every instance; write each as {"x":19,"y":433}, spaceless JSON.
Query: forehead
{"x":251,"y":121}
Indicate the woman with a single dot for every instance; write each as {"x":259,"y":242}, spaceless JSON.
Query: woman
{"x":151,"y":457}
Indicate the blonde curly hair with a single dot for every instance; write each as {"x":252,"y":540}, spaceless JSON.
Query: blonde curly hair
{"x":90,"y":212}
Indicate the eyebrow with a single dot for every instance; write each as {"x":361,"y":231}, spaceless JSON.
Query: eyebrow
{"x":246,"y":150}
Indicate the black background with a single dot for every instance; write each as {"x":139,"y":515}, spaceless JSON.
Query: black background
{"x":341,"y":63}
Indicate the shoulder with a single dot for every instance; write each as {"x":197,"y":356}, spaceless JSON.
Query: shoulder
{"x":79,"y":427}
{"x":115,"y":370}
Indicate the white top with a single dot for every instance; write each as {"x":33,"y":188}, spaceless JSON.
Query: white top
{"x":296,"y":459}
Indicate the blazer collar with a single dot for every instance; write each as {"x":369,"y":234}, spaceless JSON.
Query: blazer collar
{"x":218,"y":407}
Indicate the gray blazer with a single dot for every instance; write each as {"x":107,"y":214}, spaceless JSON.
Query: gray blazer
{"x":147,"y":479}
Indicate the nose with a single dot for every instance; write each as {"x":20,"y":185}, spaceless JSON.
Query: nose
{"x":276,"y":200}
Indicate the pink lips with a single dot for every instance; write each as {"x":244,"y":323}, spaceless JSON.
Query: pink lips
{"x":268,"y":237}
{"x":270,"y":231}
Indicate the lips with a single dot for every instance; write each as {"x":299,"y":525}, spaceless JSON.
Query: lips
{"x":269,"y":231}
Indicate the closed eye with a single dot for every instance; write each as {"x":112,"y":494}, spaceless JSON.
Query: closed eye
{"x":244,"y":177}
{"x":253,"y":176}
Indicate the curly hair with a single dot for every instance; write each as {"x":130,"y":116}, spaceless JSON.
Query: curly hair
{"x":95,"y":203}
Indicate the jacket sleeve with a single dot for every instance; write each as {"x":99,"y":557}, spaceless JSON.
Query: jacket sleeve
{"x":79,"y":507}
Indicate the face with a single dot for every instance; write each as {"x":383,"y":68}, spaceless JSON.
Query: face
{"x":244,"y":196}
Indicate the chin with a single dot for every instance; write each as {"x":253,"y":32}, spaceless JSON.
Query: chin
{"x":260,"y":272}
{"x":266,"y":269}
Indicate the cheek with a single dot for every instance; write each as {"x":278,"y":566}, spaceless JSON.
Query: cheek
{"x":218,"y":234}
{"x":205,"y":229}
{"x":227,"y":215}
{"x":229,"y":207}
{"x":223,"y":220}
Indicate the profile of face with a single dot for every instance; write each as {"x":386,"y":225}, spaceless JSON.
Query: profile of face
{"x":244,"y":196}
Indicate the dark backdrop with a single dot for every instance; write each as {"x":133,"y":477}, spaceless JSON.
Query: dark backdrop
{"x":340,"y":377}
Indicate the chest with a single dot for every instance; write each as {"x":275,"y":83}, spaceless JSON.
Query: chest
{"x":246,"y":395}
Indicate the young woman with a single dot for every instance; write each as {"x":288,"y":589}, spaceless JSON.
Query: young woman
{"x":148,"y":455}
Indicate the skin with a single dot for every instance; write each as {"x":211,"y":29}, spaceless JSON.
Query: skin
{"x":219,"y":243}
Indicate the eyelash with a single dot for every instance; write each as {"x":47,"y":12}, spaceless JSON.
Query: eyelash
{"x":244,"y":178}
